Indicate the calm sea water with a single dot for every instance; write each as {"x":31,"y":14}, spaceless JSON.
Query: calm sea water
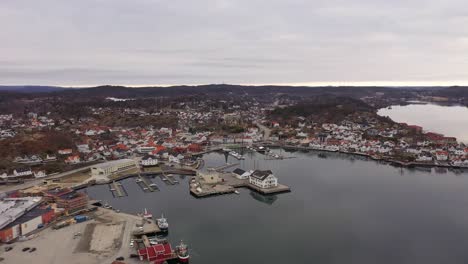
{"x":448,"y":120}
{"x":341,"y":210}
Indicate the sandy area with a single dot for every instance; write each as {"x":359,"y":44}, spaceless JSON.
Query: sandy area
{"x":101,"y":241}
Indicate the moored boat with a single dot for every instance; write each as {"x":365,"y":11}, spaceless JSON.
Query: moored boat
{"x":182,"y":252}
{"x":162,"y":224}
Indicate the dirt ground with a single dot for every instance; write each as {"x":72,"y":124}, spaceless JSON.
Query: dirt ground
{"x":101,"y":240}
{"x":77,"y":177}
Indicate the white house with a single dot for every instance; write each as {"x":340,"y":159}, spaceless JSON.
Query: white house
{"x":174,"y":159}
{"x":149,"y":161}
{"x":40,"y":174}
{"x":423,"y":158}
{"x":441,"y":155}
{"x":83,"y":148}
{"x":22,"y":172}
{"x":65,"y":151}
{"x":263,"y":179}
{"x":145,"y":149}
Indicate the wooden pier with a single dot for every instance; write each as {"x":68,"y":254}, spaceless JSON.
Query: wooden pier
{"x":117,"y":189}
{"x":223,"y":167}
{"x":168,"y":178}
{"x":146,"y":184}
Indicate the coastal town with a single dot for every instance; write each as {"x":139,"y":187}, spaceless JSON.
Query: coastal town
{"x":49,"y":159}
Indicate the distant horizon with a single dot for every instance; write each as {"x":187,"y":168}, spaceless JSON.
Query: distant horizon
{"x":299,"y":84}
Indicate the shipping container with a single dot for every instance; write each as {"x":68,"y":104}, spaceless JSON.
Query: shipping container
{"x":80,"y":218}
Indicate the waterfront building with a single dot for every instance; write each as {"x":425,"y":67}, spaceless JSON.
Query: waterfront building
{"x":263,"y":179}
{"x":108,"y":168}
{"x":442,"y":155}
{"x":242,"y":174}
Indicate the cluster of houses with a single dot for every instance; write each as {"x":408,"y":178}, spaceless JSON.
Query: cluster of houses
{"x":22,"y":173}
{"x":390,"y":142}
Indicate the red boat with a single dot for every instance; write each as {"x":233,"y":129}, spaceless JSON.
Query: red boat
{"x":182,"y":253}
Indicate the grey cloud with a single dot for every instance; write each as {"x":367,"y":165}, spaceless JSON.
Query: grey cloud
{"x":236,"y":41}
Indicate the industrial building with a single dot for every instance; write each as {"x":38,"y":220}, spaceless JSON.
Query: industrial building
{"x":108,"y":168}
{"x":21,"y":216}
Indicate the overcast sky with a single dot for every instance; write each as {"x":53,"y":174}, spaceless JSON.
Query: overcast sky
{"x":139,"y":42}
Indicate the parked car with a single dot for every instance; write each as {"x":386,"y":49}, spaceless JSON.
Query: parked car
{"x":120,"y":258}
{"x":26,"y":249}
{"x":8,"y":248}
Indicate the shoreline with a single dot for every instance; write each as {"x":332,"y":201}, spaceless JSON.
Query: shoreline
{"x":389,"y":160}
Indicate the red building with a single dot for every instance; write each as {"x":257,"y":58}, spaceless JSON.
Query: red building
{"x":194,"y":148}
{"x":157,"y":253}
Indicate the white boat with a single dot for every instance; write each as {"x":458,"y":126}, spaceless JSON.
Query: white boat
{"x":138,"y":180}
{"x":153,"y":185}
{"x":163,"y":224}
{"x":236,"y":192}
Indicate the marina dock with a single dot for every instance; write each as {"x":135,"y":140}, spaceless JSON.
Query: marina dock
{"x":168,"y":178}
{"x":117,"y":189}
{"x":146,"y":184}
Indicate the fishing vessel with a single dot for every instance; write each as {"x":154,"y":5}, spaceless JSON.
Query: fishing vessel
{"x":182,"y":252}
{"x":163,"y":224}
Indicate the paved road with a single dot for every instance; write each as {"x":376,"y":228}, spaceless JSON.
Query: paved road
{"x":9,"y":188}
{"x":31,"y":183}
{"x":266,"y":130}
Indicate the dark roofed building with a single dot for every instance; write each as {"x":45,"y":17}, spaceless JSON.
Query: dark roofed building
{"x":261,"y":174}
{"x":238,"y":171}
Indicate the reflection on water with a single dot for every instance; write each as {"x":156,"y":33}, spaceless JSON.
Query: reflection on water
{"x":449,"y":120}
{"x":267,"y":199}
